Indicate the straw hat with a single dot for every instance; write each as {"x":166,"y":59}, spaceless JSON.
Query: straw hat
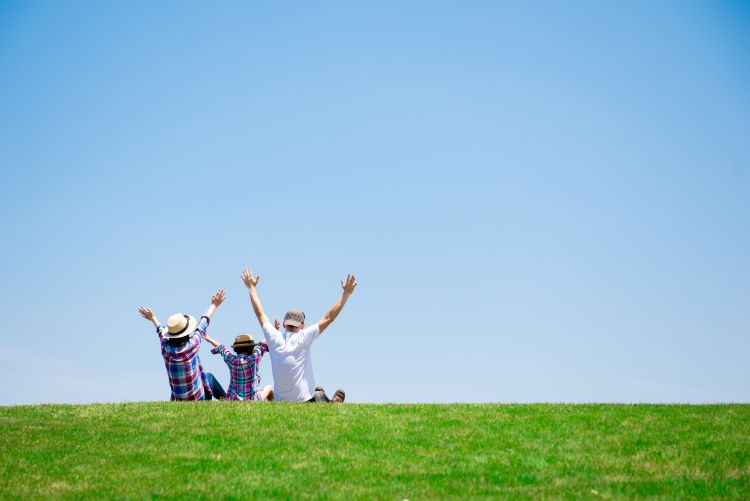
{"x":179,"y":325}
{"x":244,"y":341}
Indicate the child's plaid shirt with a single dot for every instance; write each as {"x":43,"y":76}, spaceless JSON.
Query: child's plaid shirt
{"x":243,"y":371}
{"x":184,"y":369}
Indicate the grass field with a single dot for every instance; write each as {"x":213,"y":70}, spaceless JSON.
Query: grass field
{"x":228,"y":449}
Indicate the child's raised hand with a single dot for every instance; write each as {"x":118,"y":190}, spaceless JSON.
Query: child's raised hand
{"x":210,"y":340}
{"x":218,"y":297}
{"x":146,"y":313}
{"x":276,"y":324}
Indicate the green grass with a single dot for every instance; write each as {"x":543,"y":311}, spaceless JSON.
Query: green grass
{"x":229,"y":449}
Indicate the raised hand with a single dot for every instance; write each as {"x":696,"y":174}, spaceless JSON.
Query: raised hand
{"x":276,"y":324}
{"x":247,"y":277}
{"x":211,"y":340}
{"x":218,"y":297}
{"x":349,"y":285}
{"x":146,"y":313}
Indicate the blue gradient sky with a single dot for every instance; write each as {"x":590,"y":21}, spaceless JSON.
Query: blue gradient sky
{"x":542,"y":201}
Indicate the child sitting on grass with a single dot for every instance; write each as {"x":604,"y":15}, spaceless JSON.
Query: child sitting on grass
{"x":243,"y":368}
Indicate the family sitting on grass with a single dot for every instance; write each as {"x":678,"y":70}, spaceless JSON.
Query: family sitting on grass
{"x":290,"y":353}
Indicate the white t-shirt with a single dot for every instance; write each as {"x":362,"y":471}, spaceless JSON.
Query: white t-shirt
{"x":293,"y":378}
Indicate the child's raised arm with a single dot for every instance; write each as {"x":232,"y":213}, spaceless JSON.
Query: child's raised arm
{"x":211,"y":341}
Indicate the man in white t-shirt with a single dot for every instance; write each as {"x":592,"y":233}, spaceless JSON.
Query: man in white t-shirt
{"x":290,"y":351}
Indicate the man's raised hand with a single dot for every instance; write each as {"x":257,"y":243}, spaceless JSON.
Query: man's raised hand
{"x":218,"y":297}
{"x":250,"y":283}
{"x":349,"y":285}
{"x":247,"y":277}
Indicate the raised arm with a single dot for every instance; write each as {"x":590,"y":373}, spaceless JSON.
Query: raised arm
{"x":211,"y":341}
{"x":348,"y":286}
{"x":251,"y":283}
{"x":149,"y":315}
{"x":216,"y":301}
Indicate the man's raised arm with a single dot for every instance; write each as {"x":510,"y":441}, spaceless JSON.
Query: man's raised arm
{"x":348,"y":286}
{"x":251,"y":282}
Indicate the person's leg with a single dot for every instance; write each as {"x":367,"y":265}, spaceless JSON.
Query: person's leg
{"x":266,"y":394}
{"x":216,"y":388}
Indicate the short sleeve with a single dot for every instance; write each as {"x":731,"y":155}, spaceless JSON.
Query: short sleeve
{"x":309,"y":334}
{"x":161,"y":330}
{"x":260,"y":349}
{"x":272,"y":335}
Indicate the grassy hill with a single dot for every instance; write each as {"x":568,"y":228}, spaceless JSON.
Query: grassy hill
{"x":227,"y":449}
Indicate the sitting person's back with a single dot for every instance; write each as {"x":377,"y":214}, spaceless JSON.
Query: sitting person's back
{"x":243,"y":368}
{"x":290,"y":351}
{"x":180,"y":341}
{"x":184,"y":368}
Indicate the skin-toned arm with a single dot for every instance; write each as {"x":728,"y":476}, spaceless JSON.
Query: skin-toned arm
{"x":216,"y":301}
{"x":251,"y":283}
{"x":211,"y":340}
{"x":348,"y":286}
{"x":149,"y":315}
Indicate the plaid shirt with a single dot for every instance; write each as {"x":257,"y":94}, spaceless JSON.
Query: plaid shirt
{"x":243,"y":371}
{"x":184,"y":369}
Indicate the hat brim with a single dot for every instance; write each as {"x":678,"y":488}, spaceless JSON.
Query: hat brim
{"x":192,"y":323}
{"x":292,"y":323}
{"x":244,"y":345}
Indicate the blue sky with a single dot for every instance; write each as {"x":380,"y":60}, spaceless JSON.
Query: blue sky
{"x":543,"y":201}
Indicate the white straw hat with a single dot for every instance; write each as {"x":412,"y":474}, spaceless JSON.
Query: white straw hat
{"x":179,"y":325}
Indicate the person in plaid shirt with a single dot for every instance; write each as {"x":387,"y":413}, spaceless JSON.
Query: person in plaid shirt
{"x":243,"y":367}
{"x":180,"y":341}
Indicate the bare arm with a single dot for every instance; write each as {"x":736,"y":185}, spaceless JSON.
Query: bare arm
{"x":149,"y":315}
{"x":211,"y":340}
{"x":348,"y":286}
{"x":216,"y":301}
{"x":251,"y":283}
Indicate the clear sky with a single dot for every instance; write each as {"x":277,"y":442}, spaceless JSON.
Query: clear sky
{"x":543,"y":201}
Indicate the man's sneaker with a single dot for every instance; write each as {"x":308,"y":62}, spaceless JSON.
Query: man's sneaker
{"x":339,"y":396}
